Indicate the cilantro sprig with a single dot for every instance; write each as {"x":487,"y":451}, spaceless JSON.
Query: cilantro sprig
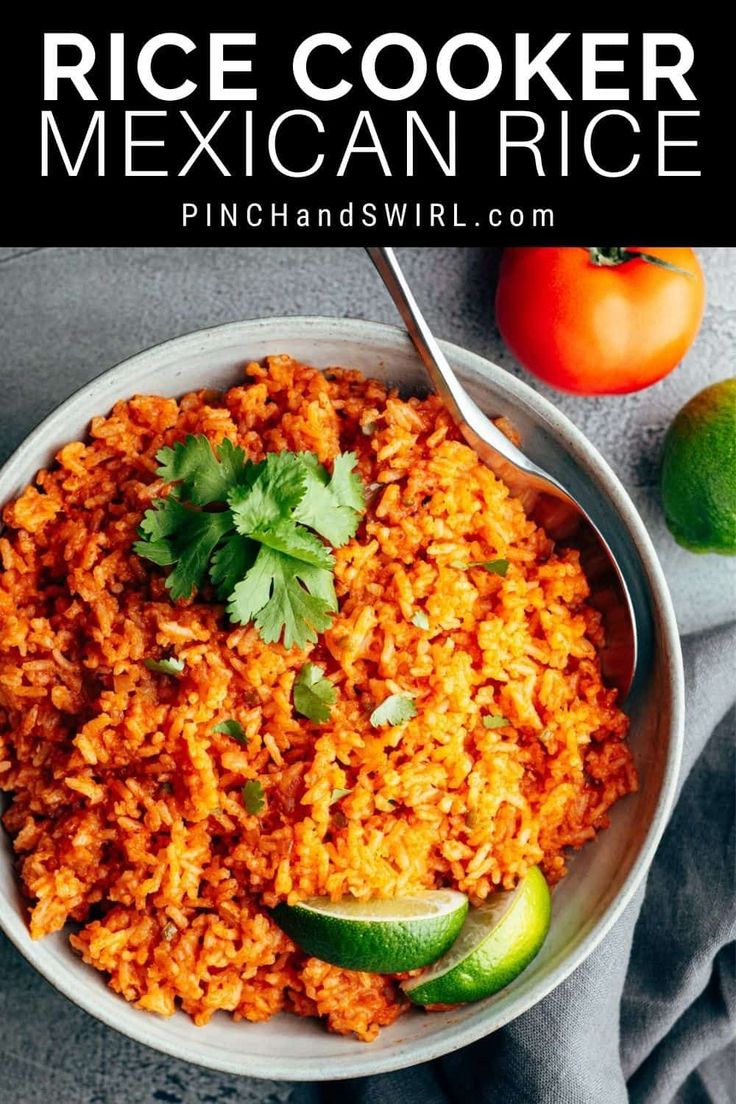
{"x":256,"y":532}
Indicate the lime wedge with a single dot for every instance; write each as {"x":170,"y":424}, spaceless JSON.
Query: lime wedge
{"x":498,"y":941}
{"x":383,"y":937}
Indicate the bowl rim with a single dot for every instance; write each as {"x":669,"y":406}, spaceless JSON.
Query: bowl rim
{"x":457,"y":1035}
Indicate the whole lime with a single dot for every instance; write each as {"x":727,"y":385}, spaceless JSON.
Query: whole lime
{"x":699,"y":471}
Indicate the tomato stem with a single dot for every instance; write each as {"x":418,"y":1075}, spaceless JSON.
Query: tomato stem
{"x":609,"y":256}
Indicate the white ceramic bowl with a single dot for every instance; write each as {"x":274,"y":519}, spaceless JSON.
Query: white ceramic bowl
{"x":602,"y":878}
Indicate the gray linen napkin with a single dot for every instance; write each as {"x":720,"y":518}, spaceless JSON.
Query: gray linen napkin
{"x":650,"y":1017}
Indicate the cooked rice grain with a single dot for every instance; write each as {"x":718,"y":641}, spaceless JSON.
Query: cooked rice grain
{"x":126,"y":810}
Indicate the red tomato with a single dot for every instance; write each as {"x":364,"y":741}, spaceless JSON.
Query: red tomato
{"x":599,"y":321}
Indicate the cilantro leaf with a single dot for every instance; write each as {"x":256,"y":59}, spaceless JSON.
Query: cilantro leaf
{"x":282,"y":593}
{"x":253,"y":798}
{"x":162,"y":520}
{"x":395,"y":710}
{"x":278,"y":487}
{"x":230,"y":563}
{"x":170,"y":666}
{"x":332,"y":505}
{"x":338,"y":794}
{"x":232,"y":728}
{"x":175,"y":534}
{"x":204,"y":474}
{"x":296,"y":541}
{"x":314,"y":695}
{"x":494,"y":720}
{"x":346,"y":484}
{"x":264,"y":511}
{"x":420,"y":619}
{"x":494,"y":567}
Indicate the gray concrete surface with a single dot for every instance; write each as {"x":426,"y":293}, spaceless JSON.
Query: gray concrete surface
{"x":67,"y":314}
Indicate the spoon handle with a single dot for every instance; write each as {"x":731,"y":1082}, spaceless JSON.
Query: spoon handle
{"x":441,"y":374}
{"x":494,"y":448}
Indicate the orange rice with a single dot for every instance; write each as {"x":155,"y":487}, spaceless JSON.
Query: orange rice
{"x":126,"y":811}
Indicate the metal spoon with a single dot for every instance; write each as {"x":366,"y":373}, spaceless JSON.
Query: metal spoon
{"x":545,"y":499}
